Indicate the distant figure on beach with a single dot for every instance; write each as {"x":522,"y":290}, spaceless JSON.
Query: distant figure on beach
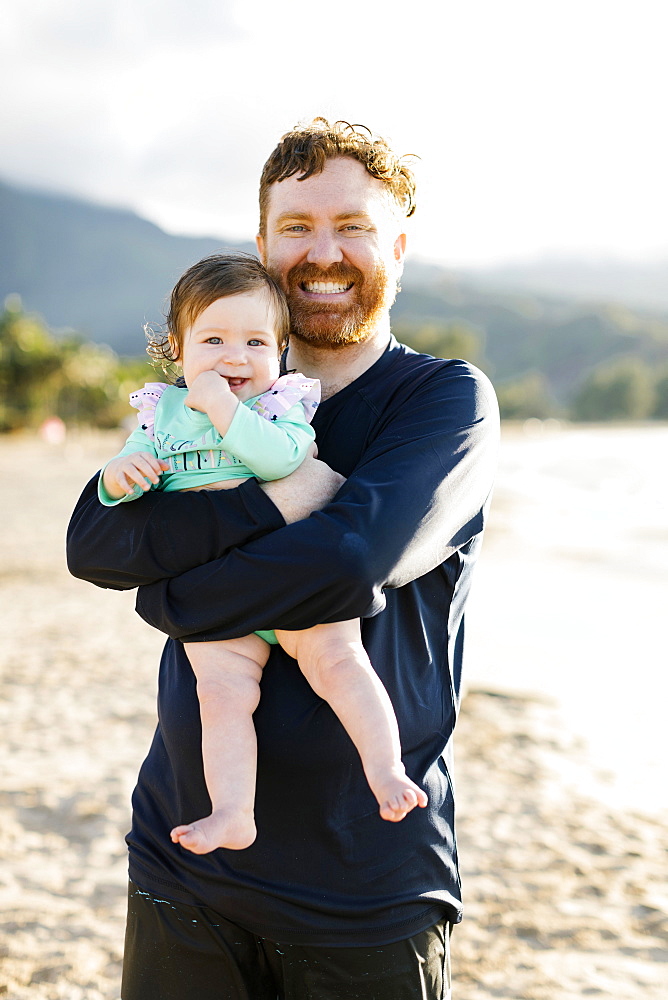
{"x":384,"y":526}
{"x":53,"y":430}
{"x":234,"y":417}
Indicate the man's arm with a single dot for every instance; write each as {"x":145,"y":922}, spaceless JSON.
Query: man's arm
{"x":416,"y":497}
{"x":162,"y":535}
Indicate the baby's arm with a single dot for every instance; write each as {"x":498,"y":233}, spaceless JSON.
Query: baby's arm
{"x":211,"y":394}
{"x":139,"y":468}
{"x":271,"y":449}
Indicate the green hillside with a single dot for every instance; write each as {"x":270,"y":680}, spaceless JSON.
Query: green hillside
{"x":104,"y":272}
{"x":563,"y":340}
{"x":100,"y":271}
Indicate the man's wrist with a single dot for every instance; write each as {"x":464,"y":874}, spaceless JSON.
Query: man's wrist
{"x":257,"y":502}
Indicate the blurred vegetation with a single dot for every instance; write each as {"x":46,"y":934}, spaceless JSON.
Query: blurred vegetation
{"x":627,"y":388}
{"x":623,"y":388}
{"x":43,"y":376}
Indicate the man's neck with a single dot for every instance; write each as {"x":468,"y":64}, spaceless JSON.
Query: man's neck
{"x":339,"y":366}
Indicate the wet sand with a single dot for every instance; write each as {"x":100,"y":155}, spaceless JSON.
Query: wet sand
{"x":565,"y":895}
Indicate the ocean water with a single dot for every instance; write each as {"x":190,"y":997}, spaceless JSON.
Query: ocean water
{"x":571,"y":594}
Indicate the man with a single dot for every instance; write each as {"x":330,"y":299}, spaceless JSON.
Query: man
{"x":330,"y":901}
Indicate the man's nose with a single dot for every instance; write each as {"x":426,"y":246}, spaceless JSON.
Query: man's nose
{"x":325,"y":249}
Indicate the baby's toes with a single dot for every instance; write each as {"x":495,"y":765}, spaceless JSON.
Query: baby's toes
{"x":409,"y":799}
{"x":393,"y":810}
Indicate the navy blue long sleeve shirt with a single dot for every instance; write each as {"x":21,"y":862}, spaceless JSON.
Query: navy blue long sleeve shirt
{"x":417,"y":439}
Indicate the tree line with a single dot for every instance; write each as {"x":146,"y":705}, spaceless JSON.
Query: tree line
{"x":621,"y":388}
{"x":43,"y":375}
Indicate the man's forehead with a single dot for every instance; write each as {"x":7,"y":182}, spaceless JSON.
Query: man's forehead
{"x":344,"y":188}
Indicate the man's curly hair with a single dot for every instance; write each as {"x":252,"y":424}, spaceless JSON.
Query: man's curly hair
{"x":306,"y":149}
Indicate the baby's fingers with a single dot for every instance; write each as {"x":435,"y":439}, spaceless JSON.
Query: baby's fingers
{"x":151,"y":462}
{"x":143,"y":467}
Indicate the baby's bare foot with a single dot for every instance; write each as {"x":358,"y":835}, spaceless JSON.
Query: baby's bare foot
{"x":220,"y":829}
{"x":398,"y":796}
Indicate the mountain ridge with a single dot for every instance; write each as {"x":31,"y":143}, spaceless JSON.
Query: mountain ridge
{"x":104,"y":272}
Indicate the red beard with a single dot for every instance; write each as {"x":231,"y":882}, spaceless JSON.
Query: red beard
{"x":336,"y":324}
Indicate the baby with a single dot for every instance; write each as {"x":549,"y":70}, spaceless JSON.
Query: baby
{"x":237,"y":417}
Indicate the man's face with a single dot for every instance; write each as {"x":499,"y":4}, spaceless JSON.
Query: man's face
{"x":334,"y":243}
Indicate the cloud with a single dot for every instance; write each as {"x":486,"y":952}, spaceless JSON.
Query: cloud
{"x":537,"y":124}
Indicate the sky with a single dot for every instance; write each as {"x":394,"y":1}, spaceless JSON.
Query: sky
{"x":539,"y":124}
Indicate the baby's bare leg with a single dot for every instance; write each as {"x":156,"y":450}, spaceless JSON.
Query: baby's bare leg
{"x":228,"y":687}
{"x":335,"y":663}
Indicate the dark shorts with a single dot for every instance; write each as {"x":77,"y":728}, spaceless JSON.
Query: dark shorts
{"x":179,"y":952}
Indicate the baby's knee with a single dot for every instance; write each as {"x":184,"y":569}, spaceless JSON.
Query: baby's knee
{"x":229,"y":694}
{"x":332,"y":667}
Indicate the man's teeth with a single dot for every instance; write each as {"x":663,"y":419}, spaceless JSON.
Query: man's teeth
{"x":325,"y":287}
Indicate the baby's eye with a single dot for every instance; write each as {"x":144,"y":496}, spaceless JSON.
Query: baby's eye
{"x":213,"y":340}
{"x":254,"y":342}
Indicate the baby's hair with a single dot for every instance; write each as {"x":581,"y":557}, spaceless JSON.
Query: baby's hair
{"x":212,"y":278}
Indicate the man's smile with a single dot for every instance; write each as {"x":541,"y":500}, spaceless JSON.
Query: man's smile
{"x":325,"y":287}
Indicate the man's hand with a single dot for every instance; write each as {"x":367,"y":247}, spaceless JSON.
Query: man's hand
{"x":140,"y":468}
{"x":211,"y":394}
{"x":310,"y":487}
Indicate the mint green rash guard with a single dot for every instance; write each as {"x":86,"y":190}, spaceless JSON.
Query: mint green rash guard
{"x":199,"y":456}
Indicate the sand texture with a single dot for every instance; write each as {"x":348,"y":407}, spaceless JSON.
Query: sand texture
{"x":565,"y":896}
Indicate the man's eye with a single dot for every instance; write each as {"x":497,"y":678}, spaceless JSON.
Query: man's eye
{"x":295,"y":229}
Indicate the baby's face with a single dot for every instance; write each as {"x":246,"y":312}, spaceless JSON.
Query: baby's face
{"x":234,"y":336}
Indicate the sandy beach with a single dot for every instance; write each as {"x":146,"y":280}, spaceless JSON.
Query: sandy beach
{"x":566,"y":894}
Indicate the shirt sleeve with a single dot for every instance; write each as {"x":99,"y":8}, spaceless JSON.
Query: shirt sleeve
{"x":417,"y":496}
{"x":164,"y":535}
{"x":271,"y":449}
{"x":138,"y":441}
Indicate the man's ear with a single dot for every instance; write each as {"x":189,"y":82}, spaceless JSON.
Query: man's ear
{"x":399,"y":253}
{"x":259,"y":241}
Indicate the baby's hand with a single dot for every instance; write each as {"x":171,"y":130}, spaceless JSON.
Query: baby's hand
{"x":123,"y":473}
{"x":211,"y":394}
{"x":206,"y":392}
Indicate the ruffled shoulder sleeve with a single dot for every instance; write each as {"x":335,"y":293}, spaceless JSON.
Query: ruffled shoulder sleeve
{"x":145,"y":400}
{"x":285,"y":392}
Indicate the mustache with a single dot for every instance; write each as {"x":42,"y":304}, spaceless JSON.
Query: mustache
{"x":338,"y":272}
